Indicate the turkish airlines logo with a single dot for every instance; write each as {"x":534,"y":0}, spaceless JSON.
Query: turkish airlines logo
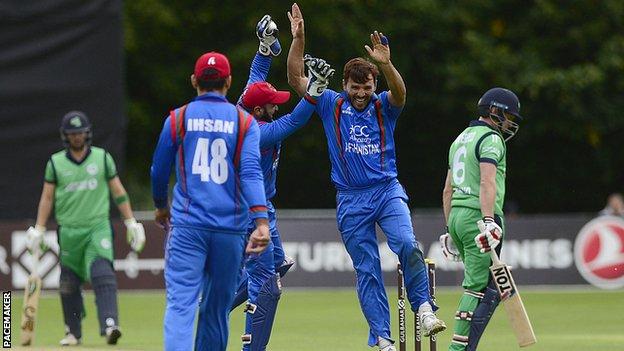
{"x":599,"y":252}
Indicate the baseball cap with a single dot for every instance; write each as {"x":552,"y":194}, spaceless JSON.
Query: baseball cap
{"x":262,"y":93}
{"x":212,"y":66}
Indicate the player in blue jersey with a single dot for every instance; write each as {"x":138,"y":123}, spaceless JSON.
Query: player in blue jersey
{"x":359,"y":125}
{"x":214,"y":147}
{"x":260,"y":283}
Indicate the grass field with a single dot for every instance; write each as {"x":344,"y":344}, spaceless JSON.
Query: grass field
{"x":331,"y":320}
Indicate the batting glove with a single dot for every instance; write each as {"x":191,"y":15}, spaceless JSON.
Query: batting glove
{"x":267,"y":32}
{"x":490,"y":235}
{"x":448,"y":248}
{"x":34,"y":238}
{"x":319,"y":73}
{"x":135,"y":234}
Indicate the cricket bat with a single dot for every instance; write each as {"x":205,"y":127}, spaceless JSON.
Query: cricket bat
{"x":31,"y":302}
{"x":510,"y":296}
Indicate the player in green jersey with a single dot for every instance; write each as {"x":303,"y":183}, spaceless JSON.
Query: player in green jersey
{"x":78,"y":183}
{"x":475,"y":190}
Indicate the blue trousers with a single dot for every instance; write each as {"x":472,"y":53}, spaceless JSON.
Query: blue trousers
{"x":194,"y":259}
{"x":358,"y":211}
{"x":259,"y":268}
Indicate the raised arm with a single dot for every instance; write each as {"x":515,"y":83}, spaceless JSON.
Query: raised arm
{"x":267,"y":33}
{"x":320,"y":74}
{"x":296,"y":76}
{"x":380,"y":53}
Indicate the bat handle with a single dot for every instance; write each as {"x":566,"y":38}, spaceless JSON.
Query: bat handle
{"x":493,"y":254}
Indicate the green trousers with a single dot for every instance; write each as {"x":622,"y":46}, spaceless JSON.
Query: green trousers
{"x":463,"y":229}
{"x":80,"y":246}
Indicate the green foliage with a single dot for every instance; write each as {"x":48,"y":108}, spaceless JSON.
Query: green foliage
{"x":564,"y":59}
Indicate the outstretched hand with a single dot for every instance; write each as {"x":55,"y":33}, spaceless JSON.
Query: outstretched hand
{"x":296,"y":21}
{"x":380,"y":52}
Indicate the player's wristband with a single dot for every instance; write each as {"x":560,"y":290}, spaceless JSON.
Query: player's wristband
{"x":488,"y":219}
{"x":121,"y":199}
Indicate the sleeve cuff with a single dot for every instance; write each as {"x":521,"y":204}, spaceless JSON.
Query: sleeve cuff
{"x":488,"y":160}
{"x":256,"y":212}
{"x":310,"y":99}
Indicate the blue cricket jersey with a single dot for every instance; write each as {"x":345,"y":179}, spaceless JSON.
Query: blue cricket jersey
{"x":272,"y":132}
{"x":215,"y":148}
{"x":360,"y":143}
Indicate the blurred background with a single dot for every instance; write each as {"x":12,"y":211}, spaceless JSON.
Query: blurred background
{"x":128,"y":63}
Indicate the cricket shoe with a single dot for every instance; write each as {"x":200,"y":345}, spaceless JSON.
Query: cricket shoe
{"x":112,"y":335}
{"x":69,"y":340}
{"x":385,"y":344}
{"x":431,"y":325}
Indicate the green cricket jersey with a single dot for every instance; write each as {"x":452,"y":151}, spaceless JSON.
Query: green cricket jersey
{"x":477,"y":143}
{"x":81,"y":196}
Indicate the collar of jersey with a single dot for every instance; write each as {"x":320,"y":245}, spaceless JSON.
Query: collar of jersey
{"x":211,"y":96}
{"x":477,"y":123}
{"x":73,"y":160}
{"x":345,"y":96}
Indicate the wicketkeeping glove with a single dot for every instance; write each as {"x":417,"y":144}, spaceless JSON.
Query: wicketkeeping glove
{"x":448,"y":248}
{"x":319,"y":73}
{"x":490,"y":235}
{"x":267,"y":32}
{"x":135,"y":234}
{"x":34,"y":238}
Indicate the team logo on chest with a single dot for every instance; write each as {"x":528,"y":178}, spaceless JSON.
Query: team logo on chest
{"x":360,"y":141}
{"x":92,"y":169}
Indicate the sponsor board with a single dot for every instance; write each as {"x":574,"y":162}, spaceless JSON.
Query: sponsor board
{"x":540,"y":249}
{"x":599,"y":252}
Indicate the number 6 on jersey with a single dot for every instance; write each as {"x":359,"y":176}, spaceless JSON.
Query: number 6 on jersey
{"x":217,"y":167}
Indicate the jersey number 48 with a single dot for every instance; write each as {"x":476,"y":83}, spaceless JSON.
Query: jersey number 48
{"x":215,"y":168}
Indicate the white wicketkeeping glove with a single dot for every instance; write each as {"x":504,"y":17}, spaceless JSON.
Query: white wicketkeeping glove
{"x":135,"y":234}
{"x":448,"y":248}
{"x":319,"y":73}
{"x":267,"y":32}
{"x":490,"y":235}
{"x":34,"y":238}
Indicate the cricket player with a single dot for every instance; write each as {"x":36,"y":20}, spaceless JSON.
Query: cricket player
{"x":359,"y":125}
{"x":475,"y":190}
{"x":260,"y":284}
{"x":78,"y":184}
{"x":214,"y":147}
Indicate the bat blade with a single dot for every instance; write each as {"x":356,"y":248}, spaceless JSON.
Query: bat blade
{"x":29,"y":310}
{"x":516,"y":312}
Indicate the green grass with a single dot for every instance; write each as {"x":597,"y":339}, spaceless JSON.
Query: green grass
{"x":331,"y":320}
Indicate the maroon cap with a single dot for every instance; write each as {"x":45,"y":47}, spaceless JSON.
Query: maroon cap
{"x":262,"y":93}
{"x":212,"y":66}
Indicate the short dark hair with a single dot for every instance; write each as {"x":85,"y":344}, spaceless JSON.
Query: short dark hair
{"x":206,"y":84}
{"x":358,"y":70}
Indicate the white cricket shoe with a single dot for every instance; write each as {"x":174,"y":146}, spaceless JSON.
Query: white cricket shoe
{"x":429,"y":321}
{"x":385,"y":345}
{"x":431,"y":324}
{"x":112,"y":334}
{"x":69,"y":340}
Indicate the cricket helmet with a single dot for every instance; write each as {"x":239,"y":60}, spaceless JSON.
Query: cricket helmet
{"x":75,"y":122}
{"x":501,"y":105}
